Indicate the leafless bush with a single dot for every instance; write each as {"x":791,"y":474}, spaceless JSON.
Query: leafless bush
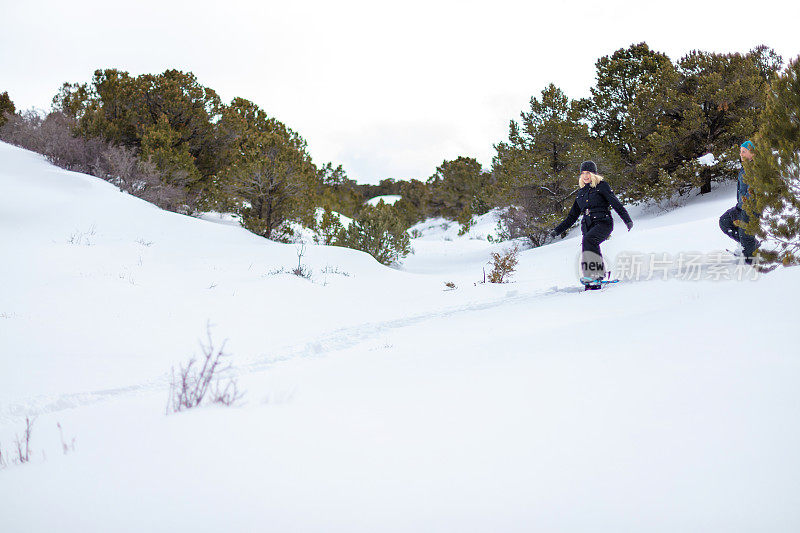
{"x":197,"y":381}
{"x":121,"y":166}
{"x":82,"y":237}
{"x":24,"y":444}
{"x":21,"y":129}
{"x":64,"y":150}
{"x":503,"y":265}
{"x":146,"y":183}
{"x":227,"y":395}
{"x":301,"y":270}
{"x":66,"y":448}
{"x":450,"y":286}
{"x":512,"y":223}
{"x":52,"y":136}
{"x":328,"y":269}
{"x":516,"y":222}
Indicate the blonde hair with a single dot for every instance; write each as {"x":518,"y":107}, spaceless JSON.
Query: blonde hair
{"x":596,"y":178}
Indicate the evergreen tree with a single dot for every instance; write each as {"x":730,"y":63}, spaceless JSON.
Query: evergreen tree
{"x":268,"y":177}
{"x":537,"y":168}
{"x":414,"y":205}
{"x":378,"y":231}
{"x":459,"y":189}
{"x":124,"y":109}
{"x":269,"y":173}
{"x":335,"y":192}
{"x":706,"y":103}
{"x":329,"y":228}
{"x":190,"y":109}
{"x":6,"y":107}
{"x":773,"y":176}
{"x":105,"y":107}
{"x":161,"y":147}
{"x":619,"y":77}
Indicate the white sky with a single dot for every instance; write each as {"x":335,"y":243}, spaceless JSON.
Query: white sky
{"x":387,"y":89}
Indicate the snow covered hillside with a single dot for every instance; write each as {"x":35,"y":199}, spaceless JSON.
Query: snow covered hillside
{"x":375,"y":400}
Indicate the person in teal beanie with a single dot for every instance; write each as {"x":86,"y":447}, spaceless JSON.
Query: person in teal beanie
{"x":726,"y":221}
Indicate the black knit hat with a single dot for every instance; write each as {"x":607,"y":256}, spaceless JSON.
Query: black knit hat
{"x":590,"y":166}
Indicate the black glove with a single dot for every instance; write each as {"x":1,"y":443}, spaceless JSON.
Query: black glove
{"x":554,"y":233}
{"x":630,"y":225}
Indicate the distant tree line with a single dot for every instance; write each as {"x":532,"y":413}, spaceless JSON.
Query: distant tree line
{"x":169,"y":139}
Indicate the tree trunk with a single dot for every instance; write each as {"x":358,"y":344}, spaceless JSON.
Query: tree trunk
{"x":705,"y":188}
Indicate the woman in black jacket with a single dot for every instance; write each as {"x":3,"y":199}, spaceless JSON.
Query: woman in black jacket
{"x":593,"y":201}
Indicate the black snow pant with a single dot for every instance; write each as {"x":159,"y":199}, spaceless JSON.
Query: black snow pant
{"x":726,"y":224}
{"x":594,"y":232}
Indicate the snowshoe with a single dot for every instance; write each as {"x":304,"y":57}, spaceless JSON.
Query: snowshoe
{"x":593,"y":284}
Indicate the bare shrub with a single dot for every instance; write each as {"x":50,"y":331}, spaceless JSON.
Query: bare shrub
{"x":52,"y":136}
{"x":139,"y":177}
{"x":82,"y":237}
{"x":195,"y":381}
{"x":148,"y":184}
{"x":64,"y":150}
{"x":277,"y":271}
{"x":301,"y":270}
{"x":516,"y":222}
{"x":21,"y":129}
{"x":24,"y":444}
{"x":503,"y":265}
{"x":450,"y":286}
{"x":65,"y":447}
{"x":335,"y":270}
{"x":227,"y":395}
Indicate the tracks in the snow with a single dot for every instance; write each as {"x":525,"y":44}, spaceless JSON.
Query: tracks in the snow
{"x":326,"y":343}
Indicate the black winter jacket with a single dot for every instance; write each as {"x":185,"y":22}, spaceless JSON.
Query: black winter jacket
{"x":593,"y":203}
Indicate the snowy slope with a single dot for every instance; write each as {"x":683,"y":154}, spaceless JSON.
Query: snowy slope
{"x":375,"y":400}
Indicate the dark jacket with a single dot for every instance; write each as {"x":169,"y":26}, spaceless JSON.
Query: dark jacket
{"x":594,"y":204}
{"x":742,"y":190}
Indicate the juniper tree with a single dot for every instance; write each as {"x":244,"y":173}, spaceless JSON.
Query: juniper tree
{"x":379,"y":232}
{"x":620,"y":76}
{"x":773,"y":176}
{"x":6,"y":107}
{"x":459,"y":188}
{"x":124,"y":110}
{"x":537,"y":168}
{"x":269,"y":174}
{"x":161,"y":146}
{"x":705,"y":103}
{"x":336,"y":192}
{"x":329,"y":228}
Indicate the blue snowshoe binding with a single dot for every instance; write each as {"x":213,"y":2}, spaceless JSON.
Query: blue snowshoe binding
{"x":597,"y":283}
